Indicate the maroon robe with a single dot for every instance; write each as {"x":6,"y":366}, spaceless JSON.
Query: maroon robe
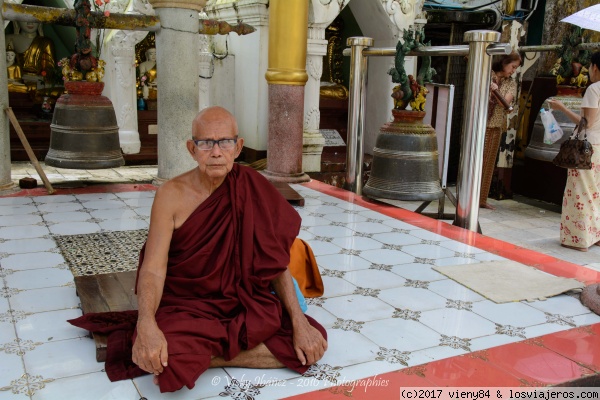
{"x":217,"y":298}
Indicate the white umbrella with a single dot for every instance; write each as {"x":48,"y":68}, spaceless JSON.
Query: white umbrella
{"x":588,"y":18}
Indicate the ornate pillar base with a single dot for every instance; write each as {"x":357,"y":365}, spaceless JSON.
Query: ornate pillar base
{"x":130,"y":141}
{"x":8,"y":188}
{"x":158,"y":181}
{"x":312,"y":148}
{"x":284,"y":147}
{"x":288,"y":178}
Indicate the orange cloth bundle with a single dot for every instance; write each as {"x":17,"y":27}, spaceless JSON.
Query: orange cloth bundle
{"x":303,"y":267}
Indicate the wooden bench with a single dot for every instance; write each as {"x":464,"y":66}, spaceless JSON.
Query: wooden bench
{"x":106,"y":292}
{"x":116,"y":291}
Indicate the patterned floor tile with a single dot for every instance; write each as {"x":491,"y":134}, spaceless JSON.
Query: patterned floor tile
{"x":104,"y":205}
{"x":60,"y":207}
{"x":356,"y":243}
{"x":420,"y":271}
{"x":62,"y":359}
{"x":23,"y":386}
{"x":561,"y":304}
{"x":26,"y":246}
{"x":26,"y":261}
{"x":102,"y":252}
{"x":20,"y":220}
{"x":337,"y":287}
{"x":81,"y":386}
{"x":515,"y":313}
{"x":23,"y":232}
{"x":430,"y":249}
{"x":400,"y":334}
{"x":73,"y":216}
{"x":387,"y":256}
{"x":49,"y":326}
{"x":48,"y":299}
{"x":74,"y":228}
{"x":374,"y":278}
{"x":457,"y":323}
{"x":17,"y":209}
{"x":347,"y":347}
{"x":342,"y":262}
{"x":358,"y":307}
{"x":39,"y":278}
{"x":400,"y":237}
{"x":454,"y":291}
{"x":411,"y":298}
{"x":57,"y":198}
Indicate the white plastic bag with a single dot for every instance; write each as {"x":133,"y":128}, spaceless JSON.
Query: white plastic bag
{"x":552,"y":131}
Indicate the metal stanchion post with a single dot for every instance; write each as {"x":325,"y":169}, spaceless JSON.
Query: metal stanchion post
{"x":356,"y":113}
{"x":473,"y":128}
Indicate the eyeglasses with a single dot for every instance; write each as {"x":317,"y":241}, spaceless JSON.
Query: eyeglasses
{"x":224,"y":144}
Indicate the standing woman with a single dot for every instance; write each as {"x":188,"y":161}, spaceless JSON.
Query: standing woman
{"x":580,"y":220}
{"x":502,"y":71}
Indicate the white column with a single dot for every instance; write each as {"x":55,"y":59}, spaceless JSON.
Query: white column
{"x":120,"y":86}
{"x":5,"y":179}
{"x":178,"y":104}
{"x":248,"y":60}
{"x":312,"y":140}
{"x":206,"y":68}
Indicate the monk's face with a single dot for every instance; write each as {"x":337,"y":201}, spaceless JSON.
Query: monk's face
{"x":215,"y":160}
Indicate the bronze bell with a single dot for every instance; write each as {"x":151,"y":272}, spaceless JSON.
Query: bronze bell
{"x":405,"y":160}
{"x":84,"y":133}
{"x":537,"y":149}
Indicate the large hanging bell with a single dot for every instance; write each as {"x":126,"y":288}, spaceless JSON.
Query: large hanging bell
{"x":84,"y":133}
{"x":405,"y":160}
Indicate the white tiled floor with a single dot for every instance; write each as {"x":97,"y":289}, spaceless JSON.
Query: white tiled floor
{"x":384,"y":307}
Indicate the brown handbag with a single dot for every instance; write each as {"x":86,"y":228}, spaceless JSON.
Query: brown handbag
{"x":575,"y":153}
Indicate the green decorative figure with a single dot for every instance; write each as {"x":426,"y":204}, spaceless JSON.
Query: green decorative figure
{"x":410,"y":91}
{"x":570,"y":68}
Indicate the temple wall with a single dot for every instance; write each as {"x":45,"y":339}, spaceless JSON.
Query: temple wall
{"x":554,"y":30}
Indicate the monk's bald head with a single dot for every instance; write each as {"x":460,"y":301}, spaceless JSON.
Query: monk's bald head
{"x":214,"y":120}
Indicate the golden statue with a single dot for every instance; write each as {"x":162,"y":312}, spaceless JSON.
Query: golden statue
{"x":35,"y":53}
{"x":147,"y":73}
{"x":331,"y":83}
{"x":15,"y":81}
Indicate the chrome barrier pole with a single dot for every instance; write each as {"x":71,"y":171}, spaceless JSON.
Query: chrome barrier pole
{"x":477,"y":90}
{"x":480,"y":49}
{"x":356,"y":113}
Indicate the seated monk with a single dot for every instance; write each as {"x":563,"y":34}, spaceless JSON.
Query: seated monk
{"x":214,"y":289}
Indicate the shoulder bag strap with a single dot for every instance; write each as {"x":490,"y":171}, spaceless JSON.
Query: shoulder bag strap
{"x":579,"y":127}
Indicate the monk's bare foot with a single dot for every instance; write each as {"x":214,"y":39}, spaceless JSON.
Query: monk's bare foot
{"x":155,"y":379}
{"x":488,"y":206}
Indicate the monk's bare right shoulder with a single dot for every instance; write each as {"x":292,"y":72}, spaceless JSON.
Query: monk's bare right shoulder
{"x":166,"y":198}
{"x":176,"y":199}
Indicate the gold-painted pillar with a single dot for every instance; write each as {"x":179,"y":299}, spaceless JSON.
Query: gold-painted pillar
{"x":286,"y":76}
